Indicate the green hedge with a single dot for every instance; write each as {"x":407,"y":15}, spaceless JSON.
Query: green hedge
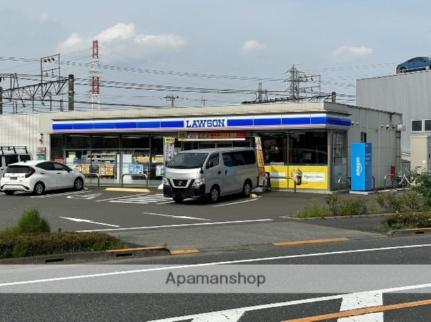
{"x":408,"y":220}
{"x":21,"y":245}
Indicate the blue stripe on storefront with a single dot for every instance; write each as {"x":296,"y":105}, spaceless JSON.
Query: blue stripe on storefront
{"x":147,"y":125}
{"x":240,"y":122}
{"x":267,"y":122}
{"x":169,"y":124}
{"x":179,"y":124}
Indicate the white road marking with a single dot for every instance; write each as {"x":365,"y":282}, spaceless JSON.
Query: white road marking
{"x":115,"y":198}
{"x":172,"y":216}
{"x":236,"y":202}
{"x":144,"y":200}
{"x":361,"y":300}
{"x":240,"y":261}
{"x":178,"y":225}
{"x":53,"y":195}
{"x":89,"y":221}
{"x":85,"y":197}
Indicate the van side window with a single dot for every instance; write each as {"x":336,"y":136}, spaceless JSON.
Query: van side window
{"x":239,"y":159}
{"x":9,"y":159}
{"x":228,"y":160}
{"x":250,"y":157}
{"x":213,"y":161}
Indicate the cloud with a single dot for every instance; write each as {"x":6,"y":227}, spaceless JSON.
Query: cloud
{"x":122,"y":40}
{"x":120,"y":31}
{"x":252,"y":45}
{"x":348,"y":52}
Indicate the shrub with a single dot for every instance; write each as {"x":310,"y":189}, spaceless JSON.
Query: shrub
{"x":13,"y":245}
{"x":412,"y":201}
{"x":394,"y":203}
{"x":408,"y":220}
{"x":31,"y":222}
{"x":332,"y":203}
{"x":352,"y":207}
{"x":314,"y":210}
{"x":423,"y":186}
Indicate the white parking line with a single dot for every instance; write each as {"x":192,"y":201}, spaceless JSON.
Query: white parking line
{"x":122,"y":197}
{"x":236,"y":202}
{"x":89,"y":221}
{"x":53,"y":195}
{"x":178,"y":225}
{"x":172,"y":216}
{"x":361,"y":300}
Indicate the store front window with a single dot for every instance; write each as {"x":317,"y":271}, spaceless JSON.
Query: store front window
{"x":308,"y":148}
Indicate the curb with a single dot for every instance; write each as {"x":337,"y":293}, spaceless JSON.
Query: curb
{"x":122,"y":252}
{"x":415,"y":231}
{"x":176,"y":252}
{"x":127,"y":189}
{"x":294,"y":243}
{"x":339,"y":217}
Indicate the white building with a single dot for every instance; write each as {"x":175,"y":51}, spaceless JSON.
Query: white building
{"x":314,"y":138}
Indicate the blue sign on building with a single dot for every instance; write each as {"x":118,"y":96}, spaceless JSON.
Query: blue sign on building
{"x":362,"y":167}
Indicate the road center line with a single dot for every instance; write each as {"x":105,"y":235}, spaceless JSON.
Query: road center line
{"x":89,"y":221}
{"x":122,"y":197}
{"x":240,"y":261}
{"x":172,"y":216}
{"x":178,"y":225}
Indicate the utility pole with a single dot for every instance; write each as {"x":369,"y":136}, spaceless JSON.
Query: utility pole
{"x":1,"y":100}
{"x":204,"y":101}
{"x":262,"y":94}
{"x":71,"y":92}
{"x":95,"y":75}
{"x":302,"y":85}
{"x":171,"y":98}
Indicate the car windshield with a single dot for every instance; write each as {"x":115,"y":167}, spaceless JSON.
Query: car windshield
{"x":17,"y":169}
{"x":187,"y":160}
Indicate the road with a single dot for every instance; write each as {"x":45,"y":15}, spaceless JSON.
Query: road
{"x":20,"y":302}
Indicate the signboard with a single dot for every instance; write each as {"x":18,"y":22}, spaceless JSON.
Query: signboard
{"x":208,"y":136}
{"x":361,"y":167}
{"x":259,"y":155}
{"x":168,"y":148}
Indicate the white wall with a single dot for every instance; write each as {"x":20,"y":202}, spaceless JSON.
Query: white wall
{"x":23,"y":129}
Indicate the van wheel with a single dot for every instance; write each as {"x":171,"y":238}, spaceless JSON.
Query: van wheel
{"x":214,"y":194}
{"x":9,"y":192}
{"x":179,"y":199}
{"x":39,"y":188}
{"x":246,"y":189}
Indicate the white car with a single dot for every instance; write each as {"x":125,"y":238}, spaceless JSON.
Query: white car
{"x":39,"y":176}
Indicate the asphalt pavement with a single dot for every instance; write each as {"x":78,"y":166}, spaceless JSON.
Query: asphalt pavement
{"x":205,"y":306}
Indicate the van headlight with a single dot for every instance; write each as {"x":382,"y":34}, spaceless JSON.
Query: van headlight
{"x":199,"y":182}
{"x":165,"y":181}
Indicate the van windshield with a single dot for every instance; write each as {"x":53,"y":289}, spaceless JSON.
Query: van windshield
{"x":187,"y":160}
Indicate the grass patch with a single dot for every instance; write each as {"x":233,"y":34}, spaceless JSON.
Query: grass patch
{"x":314,"y":210}
{"x":32,"y":237}
{"x":407,"y":220}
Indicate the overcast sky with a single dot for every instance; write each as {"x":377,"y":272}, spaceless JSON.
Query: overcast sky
{"x":340,"y":39}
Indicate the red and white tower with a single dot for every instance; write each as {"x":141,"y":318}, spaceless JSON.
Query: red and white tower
{"x":95,"y":76}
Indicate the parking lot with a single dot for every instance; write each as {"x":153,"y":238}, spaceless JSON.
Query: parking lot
{"x":97,"y":209}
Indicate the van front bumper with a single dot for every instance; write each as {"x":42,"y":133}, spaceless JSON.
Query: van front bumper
{"x":191,"y":192}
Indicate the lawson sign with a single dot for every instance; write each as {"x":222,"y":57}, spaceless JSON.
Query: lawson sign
{"x":249,"y":122}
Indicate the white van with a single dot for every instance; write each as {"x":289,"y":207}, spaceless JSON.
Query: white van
{"x":211,"y":173}
{"x":12,"y":154}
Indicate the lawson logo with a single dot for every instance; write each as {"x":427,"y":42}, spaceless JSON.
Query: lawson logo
{"x":206,"y":123}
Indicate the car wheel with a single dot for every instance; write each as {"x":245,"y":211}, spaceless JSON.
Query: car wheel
{"x":214,"y":194}
{"x":78,"y":184}
{"x":179,"y":199}
{"x":39,"y":188}
{"x":246,"y":189}
{"x":9,"y":192}
{"x":403,"y":70}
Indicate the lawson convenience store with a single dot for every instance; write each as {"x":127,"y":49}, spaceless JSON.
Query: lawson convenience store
{"x":311,"y":138}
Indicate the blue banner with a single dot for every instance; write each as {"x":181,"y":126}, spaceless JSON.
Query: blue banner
{"x":361,"y":167}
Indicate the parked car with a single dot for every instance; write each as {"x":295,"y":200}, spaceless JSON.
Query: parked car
{"x":210,"y":173}
{"x":39,"y":176}
{"x":414,"y":64}
{"x":12,"y":154}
